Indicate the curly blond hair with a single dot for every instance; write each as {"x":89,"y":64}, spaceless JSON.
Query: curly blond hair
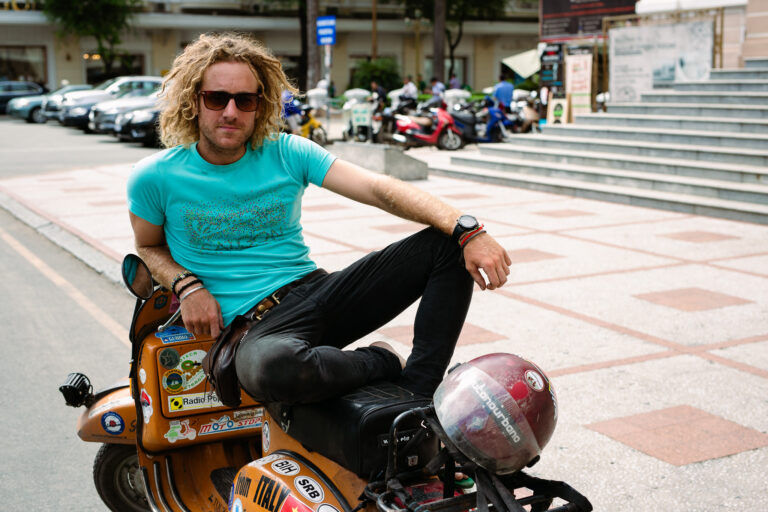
{"x":181,"y":87}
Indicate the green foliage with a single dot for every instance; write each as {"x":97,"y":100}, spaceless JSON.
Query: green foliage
{"x":104,"y":20}
{"x":384,"y":71}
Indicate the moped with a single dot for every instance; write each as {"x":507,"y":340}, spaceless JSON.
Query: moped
{"x":483,"y":121}
{"x":434,"y":127}
{"x":169,"y":444}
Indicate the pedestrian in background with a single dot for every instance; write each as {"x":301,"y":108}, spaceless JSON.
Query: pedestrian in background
{"x":504,"y":92}
{"x":409,"y":89}
{"x":437,"y":87}
{"x":454,"y":83}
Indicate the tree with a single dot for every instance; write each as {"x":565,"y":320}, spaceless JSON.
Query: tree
{"x":456,"y":13}
{"x":104,"y":20}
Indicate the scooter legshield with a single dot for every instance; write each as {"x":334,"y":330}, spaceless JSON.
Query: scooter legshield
{"x":111,"y":419}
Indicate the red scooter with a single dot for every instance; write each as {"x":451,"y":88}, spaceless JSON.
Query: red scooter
{"x":434,"y":127}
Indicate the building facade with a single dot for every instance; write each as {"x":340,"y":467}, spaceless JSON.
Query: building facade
{"x":31,"y":48}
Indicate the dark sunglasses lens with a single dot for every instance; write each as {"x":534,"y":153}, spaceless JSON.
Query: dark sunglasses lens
{"x":246,"y":101}
{"x":216,"y":100}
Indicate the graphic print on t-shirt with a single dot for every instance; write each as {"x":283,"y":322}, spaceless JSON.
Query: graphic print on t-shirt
{"x":226,"y":224}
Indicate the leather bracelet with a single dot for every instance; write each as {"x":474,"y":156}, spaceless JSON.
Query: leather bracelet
{"x":179,"y":277}
{"x":188,"y":285}
{"x":470,"y":237}
{"x":190,"y":292}
{"x":471,"y":234}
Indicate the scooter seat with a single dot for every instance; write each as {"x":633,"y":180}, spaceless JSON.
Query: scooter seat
{"x":353,"y":430}
{"x":463,"y":116}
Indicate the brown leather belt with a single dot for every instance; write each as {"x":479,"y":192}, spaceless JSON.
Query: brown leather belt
{"x":267,"y":303}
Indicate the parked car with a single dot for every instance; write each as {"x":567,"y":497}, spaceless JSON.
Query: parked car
{"x":101,"y":119}
{"x":30,"y":108}
{"x":77,"y":105}
{"x":17,"y":89}
{"x":139,"y":126}
{"x":52,"y":102}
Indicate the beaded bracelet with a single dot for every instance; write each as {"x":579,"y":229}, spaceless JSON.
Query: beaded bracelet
{"x":188,"y":285}
{"x":179,"y":277}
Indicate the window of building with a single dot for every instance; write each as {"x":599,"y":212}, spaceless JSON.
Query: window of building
{"x":23,"y":63}
{"x":129,"y":64}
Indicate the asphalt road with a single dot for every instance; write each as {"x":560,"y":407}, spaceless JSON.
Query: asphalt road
{"x":57,"y":316}
{"x":32,"y":148}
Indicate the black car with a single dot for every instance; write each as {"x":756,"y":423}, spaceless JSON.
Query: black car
{"x":17,"y":89}
{"x":139,"y":126}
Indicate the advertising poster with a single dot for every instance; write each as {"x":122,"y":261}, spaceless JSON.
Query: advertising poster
{"x":551,"y":72}
{"x":566,"y":19}
{"x":578,"y":82}
{"x":649,"y":56}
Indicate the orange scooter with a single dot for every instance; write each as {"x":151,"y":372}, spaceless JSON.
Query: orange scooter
{"x":169,"y":444}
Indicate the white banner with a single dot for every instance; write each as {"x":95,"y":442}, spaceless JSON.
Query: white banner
{"x":644,"y":56}
{"x":578,"y":82}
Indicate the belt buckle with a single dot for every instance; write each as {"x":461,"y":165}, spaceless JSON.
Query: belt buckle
{"x":275,"y":299}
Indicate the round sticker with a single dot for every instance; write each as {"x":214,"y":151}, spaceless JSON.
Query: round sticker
{"x":169,"y":358}
{"x":112,"y":423}
{"x":265,"y":436}
{"x":237,"y":505}
{"x":191,"y":364}
{"x":325,"y":507}
{"x":534,"y":380}
{"x":309,"y":489}
{"x":173,"y":381}
{"x":143,"y":376}
{"x":286,"y":467}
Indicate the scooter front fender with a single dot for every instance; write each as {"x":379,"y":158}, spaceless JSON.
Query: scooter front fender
{"x":110,"y":419}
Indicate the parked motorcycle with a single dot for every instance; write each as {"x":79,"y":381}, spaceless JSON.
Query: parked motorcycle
{"x":169,"y":444}
{"x":435,"y":127}
{"x":311,"y":127}
{"x":483,"y":121}
{"x":384,"y":122}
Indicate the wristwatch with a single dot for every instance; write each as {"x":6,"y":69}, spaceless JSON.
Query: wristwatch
{"x":464,"y":224}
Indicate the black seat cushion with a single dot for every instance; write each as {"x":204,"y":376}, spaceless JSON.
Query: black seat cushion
{"x":353,"y":430}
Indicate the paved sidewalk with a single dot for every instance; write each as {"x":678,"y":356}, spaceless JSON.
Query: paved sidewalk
{"x":653,"y":324}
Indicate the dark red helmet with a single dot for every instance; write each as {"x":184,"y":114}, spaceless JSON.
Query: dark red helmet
{"x":499,"y":410}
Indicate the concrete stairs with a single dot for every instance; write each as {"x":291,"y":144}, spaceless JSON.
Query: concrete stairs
{"x":697,"y":147}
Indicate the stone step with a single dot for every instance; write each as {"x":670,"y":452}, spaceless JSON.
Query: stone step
{"x":737,"y":173}
{"x":753,"y":157}
{"x":731,"y":191}
{"x":713,"y":98}
{"x":756,"y":62}
{"x":698,"y":205}
{"x":669,"y":122}
{"x":742,"y":85}
{"x":691,"y":110}
{"x":739,"y":73}
{"x":681,"y":137}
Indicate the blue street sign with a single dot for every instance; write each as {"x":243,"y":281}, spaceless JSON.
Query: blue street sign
{"x":326,"y":30}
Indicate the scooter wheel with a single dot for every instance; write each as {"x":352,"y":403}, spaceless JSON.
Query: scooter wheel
{"x":449,"y":140}
{"x":319,"y":136}
{"x":117,"y":475}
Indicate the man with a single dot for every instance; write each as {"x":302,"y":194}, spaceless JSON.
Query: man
{"x":409,"y":89}
{"x":504,"y":91}
{"x":216,"y":217}
{"x":379,"y":94}
{"x":437,"y":87}
{"x":454,"y":82}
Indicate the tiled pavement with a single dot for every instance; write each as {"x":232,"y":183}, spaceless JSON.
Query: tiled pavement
{"x":653,"y":324}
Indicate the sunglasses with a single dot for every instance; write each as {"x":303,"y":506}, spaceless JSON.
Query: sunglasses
{"x":218,"y":100}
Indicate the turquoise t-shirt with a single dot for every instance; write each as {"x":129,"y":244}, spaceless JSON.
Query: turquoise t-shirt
{"x":236,"y":226}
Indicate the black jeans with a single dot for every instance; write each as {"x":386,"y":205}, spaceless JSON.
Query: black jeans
{"x":294,"y":354}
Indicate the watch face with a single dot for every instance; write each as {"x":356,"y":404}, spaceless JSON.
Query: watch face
{"x":467,"y":222}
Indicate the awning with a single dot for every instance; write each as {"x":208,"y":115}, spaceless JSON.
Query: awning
{"x":524,"y":64}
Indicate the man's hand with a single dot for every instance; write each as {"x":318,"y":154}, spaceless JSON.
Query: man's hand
{"x":483,"y":252}
{"x":202,"y":314}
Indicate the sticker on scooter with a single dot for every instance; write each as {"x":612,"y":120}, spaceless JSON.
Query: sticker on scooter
{"x":325,"y":507}
{"x":146,"y":405}
{"x":286,"y":467}
{"x":180,"y":430}
{"x":265,"y":460}
{"x":265,"y":437}
{"x":237,"y":505}
{"x":193,"y":401}
{"x":174,"y":334}
{"x":112,"y":423}
{"x":191,"y":364}
{"x":309,"y":489}
{"x":173,"y":381}
{"x":226,"y":424}
{"x":249,"y":413}
{"x":293,"y":504}
{"x":112,"y":404}
{"x":161,"y":301}
{"x":169,"y":358}
{"x":242,"y":486}
{"x":270,"y":494}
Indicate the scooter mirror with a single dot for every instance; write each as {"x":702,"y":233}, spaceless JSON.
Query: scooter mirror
{"x":137,"y":277}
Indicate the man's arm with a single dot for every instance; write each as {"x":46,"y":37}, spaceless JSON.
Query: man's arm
{"x":409,"y":202}
{"x":200,"y":311}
